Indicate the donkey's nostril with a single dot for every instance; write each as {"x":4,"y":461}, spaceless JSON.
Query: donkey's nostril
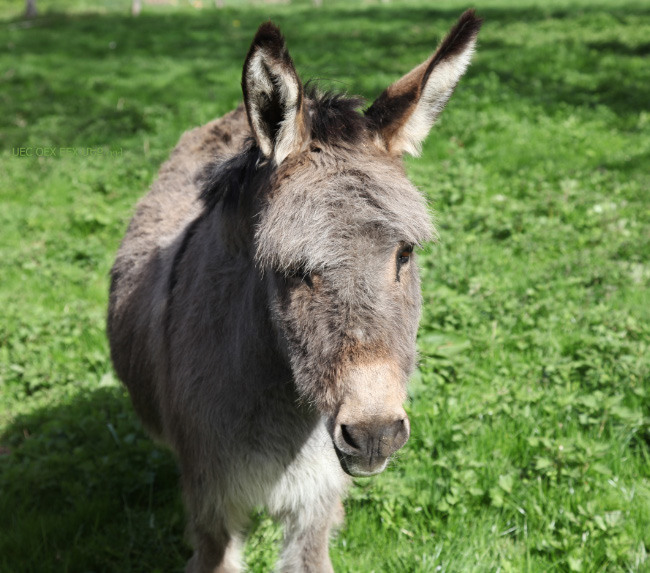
{"x":399,"y":433}
{"x":391,"y":430}
{"x":347,"y":437}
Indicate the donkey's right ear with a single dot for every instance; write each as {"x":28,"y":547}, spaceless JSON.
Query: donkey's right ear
{"x":273,"y":95}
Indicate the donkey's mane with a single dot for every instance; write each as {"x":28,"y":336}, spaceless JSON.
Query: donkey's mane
{"x":335,"y":121}
{"x":226,"y":181}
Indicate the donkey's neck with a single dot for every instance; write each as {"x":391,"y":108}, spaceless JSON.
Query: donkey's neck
{"x":238,"y":301}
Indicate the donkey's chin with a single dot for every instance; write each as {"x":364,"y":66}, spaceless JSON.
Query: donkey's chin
{"x":358,"y":466}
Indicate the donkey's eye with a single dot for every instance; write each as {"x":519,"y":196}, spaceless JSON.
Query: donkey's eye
{"x":404,"y":254}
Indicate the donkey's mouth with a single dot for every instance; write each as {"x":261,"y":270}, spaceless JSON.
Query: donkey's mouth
{"x":361,"y":466}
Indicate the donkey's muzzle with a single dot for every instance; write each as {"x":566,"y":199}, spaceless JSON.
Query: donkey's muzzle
{"x":364,"y":449}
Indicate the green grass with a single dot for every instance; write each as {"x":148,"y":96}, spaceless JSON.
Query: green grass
{"x":530,"y":447}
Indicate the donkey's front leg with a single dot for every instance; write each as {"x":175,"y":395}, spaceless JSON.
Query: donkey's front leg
{"x":216,"y":533}
{"x":306,"y":539}
{"x":215,"y":552}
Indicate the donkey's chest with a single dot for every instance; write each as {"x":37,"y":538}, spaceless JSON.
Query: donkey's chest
{"x":283,"y":476}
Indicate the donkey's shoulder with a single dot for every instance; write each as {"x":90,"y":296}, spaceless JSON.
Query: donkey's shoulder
{"x":220,"y":137}
{"x":173,"y":201}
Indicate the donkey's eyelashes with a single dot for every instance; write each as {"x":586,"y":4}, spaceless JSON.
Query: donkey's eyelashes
{"x":306,"y":278}
{"x":300,"y":275}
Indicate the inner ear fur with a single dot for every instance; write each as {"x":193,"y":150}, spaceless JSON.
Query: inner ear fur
{"x":273,"y":95}
{"x":404,"y":113}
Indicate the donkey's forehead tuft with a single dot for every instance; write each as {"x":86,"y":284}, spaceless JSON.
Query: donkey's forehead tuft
{"x":335,"y":118}
{"x":316,"y":218}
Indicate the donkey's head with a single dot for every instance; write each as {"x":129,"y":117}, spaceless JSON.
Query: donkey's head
{"x":334,"y":224}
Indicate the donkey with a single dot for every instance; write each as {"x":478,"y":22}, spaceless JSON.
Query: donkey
{"x":265,"y":300}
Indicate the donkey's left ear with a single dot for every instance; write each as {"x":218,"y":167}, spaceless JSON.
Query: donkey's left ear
{"x":405,"y":112}
{"x":273,"y":95}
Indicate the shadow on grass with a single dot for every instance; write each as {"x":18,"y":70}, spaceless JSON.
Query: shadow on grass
{"x":84,"y":489}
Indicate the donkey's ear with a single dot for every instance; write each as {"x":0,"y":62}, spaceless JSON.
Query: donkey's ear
{"x":273,"y":95}
{"x":405,"y":112}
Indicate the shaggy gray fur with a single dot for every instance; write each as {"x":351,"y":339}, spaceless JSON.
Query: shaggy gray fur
{"x":264,"y":307}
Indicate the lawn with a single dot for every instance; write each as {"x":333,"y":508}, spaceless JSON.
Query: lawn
{"x":530,"y":411}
